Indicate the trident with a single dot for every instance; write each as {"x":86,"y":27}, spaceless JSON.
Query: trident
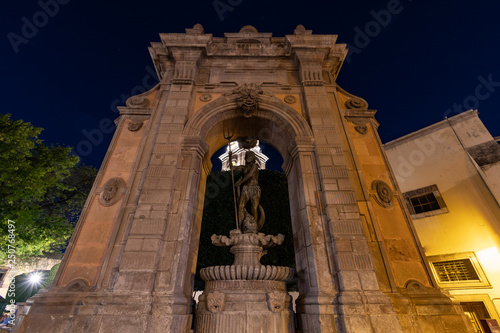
{"x":228,"y":136}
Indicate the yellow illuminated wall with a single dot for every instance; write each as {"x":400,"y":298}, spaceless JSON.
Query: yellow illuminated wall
{"x":437,"y":155}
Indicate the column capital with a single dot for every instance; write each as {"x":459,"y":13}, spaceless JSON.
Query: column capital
{"x":194,"y":144}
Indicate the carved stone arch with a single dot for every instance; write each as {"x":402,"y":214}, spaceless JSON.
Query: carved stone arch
{"x":282,"y":125}
{"x":291,"y":135}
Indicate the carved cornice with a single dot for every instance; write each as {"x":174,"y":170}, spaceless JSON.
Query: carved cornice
{"x":360,"y":117}
{"x":127,"y":111}
{"x":247,"y":42}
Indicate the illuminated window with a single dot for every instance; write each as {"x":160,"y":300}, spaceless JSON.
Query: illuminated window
{"x":458,"y":271}
{"x":425,"y":201}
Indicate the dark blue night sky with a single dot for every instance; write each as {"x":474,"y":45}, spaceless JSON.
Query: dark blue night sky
{"x":66,"y":64}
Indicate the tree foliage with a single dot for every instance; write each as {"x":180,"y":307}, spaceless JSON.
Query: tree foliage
{"x":219,"y":218}
{"x":43,"y":189}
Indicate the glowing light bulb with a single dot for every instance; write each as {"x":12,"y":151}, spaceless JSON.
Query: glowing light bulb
{"x":35,"y":278}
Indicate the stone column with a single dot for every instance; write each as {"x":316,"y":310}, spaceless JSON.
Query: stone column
{"x":312,"y":243}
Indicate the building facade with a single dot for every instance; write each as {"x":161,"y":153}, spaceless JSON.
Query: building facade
{"x":130,"y":264}
{"x":449,"y":174}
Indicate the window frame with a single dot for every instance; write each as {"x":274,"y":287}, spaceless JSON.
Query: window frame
{"x":421,"y":192}
{"x":465,"y":284}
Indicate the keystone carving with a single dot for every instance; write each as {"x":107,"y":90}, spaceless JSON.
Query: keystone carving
{"x":248,"y":98}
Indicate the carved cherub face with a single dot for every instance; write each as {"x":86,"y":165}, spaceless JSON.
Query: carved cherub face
{"x":248,"y":98}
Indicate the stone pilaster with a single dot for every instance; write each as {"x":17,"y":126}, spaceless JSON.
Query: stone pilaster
{"x":358,"y":305}
{"x":158,"y":253}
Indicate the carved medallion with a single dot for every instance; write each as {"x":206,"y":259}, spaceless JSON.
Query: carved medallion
{"x":248,"y":98}
{"x":111,"y":191}
{"x":356,"y":103}
{"x":276,"y":301}
{"x":289,"y":99}
{"x":216,"y":301}
{"x":205,"y":97}
{"x":361,"y":129}
{"x":134,"y":126}
{"x":383,"y":192}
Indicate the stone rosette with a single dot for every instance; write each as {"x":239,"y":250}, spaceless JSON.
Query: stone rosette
{"x":206,"y":97}
{"x":111,"y":191}
{"x":289,"y":99}
{"x":384,"y":196}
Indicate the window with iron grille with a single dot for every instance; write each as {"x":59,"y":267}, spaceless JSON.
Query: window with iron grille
{"x":425,"y":201}
{"x":458,"y":271}
{"x":455,"y":270}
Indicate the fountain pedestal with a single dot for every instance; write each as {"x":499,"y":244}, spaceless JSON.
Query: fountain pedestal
{"x":247,"y":296}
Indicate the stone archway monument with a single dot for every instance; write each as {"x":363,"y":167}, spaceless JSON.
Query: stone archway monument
{"x":131,"y":262}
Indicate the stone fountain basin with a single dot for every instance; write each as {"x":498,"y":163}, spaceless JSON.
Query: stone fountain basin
{"x":244,"y":272}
